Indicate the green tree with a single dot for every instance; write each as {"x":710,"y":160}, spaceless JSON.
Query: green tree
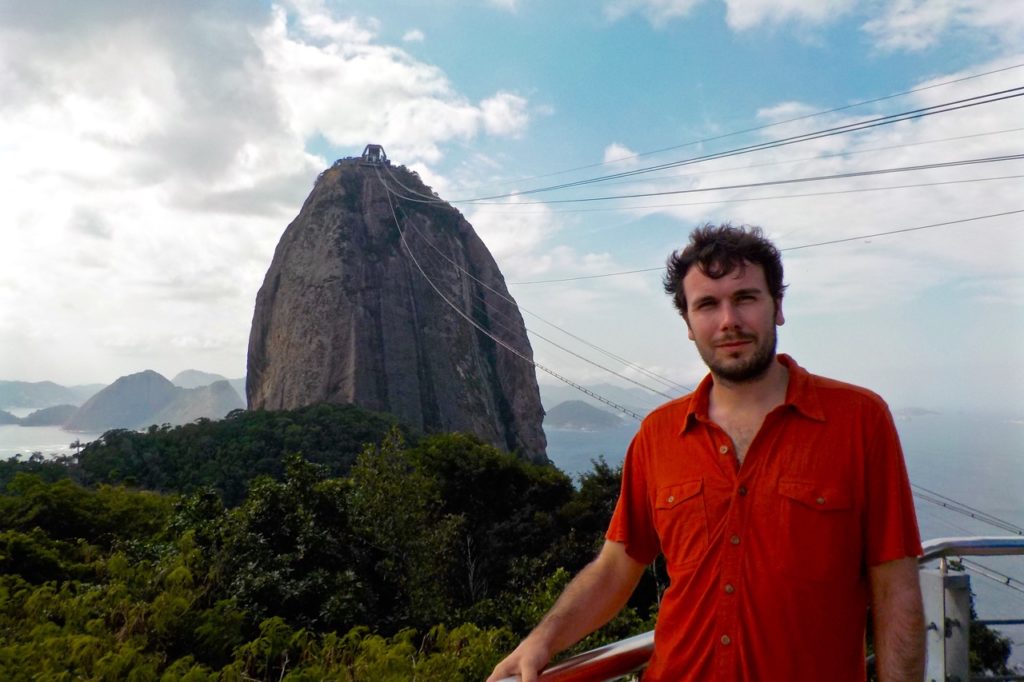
{"x":397,"y":516}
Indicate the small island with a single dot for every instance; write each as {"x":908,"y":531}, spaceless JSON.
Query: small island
{"x":576,"y":415}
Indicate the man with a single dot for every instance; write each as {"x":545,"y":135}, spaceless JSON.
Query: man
{"x":779,"y":499}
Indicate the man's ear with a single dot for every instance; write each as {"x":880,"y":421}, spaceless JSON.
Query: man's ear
{"x":780,"y":319}
{"x":689,"y":329}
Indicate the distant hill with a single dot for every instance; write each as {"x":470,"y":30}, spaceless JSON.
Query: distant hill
{"x":239,"y":386}
{"x":49,"y":416}
{"x":580,"y":416}
{"x":44,"y":393}
{"x":145,"y":398}
{"x":634,"y":398}
{"x":212,"y":402}
{"x":126,"y":403}
{"x":8,"y":418}
{"x":194,"y":378}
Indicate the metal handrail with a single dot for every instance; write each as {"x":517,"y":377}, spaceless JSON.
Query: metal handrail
{"x":992,"y":545}
{"x":629,"y":655}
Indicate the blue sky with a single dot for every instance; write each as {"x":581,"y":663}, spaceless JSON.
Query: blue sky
{"x":150,"y":159}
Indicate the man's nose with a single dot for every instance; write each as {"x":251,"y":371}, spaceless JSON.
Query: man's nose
{"x":730,"y":316}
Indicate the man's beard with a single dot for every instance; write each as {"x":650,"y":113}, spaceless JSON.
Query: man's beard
{"x":750,"y":370}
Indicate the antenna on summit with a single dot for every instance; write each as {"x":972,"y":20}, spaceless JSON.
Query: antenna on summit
{"x":373,"y":155}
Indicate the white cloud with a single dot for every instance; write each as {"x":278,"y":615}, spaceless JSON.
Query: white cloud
{"x":359,"y":91}
{"x":784,"y":111}
{"x":149,"y":161}
{"x":413,"y":36}
{"x":746,"y":14}
{"x":658,"y":12}
{"x":505,"y":114}
{"x":919,"y":24}
{"x":620,"y":155}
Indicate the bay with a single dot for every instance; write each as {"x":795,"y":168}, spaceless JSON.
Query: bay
{"x":51,"y":441}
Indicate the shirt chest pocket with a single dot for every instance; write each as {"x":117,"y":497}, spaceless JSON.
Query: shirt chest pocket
{"x":682,"y":523}
{"x":819,"y":537}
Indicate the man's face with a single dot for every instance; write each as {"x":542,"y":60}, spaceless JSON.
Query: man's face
{"x":732,"y":321}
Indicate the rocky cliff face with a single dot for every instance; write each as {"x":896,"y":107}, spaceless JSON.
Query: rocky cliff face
{"x":345,"y":315}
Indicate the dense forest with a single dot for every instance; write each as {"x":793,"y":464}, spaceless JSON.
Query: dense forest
{"x":320,"y":543}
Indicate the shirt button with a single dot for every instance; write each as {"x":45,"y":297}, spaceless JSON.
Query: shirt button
{"x":735,"y":539}
{"x":729,"y":589}
{"x":671,"y":499}
{"x":723,"y":449}
{"x":726,"y":640}
{"x":820,"y":500}
{"x":742,"y":490}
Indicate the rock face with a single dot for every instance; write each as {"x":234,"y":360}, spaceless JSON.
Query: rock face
{"x":345,"y":314}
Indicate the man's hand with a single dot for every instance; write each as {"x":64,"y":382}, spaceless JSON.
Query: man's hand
{"x":528,"y":659}
{"x":592,"y":599}
{"x":899,"y":620}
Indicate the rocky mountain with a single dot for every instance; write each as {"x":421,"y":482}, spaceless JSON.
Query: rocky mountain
{"x":391,"y":303}
{"x":577,"y":415}
{"x":146,"y":398}
{"x":126,"y":403}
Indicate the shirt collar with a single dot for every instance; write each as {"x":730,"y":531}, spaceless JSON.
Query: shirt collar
{"x":801,"y":395}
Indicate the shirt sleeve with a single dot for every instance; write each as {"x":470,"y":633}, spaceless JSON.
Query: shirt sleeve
{"x":632,"y":522}
{"x":891,"y":523}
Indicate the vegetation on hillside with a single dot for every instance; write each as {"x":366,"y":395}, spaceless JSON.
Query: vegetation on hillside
{"x":277,"y":546}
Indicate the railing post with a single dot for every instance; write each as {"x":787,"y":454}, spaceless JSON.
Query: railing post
{"x":947,"y":613}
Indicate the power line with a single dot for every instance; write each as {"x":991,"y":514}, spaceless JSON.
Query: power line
{"x":819,"y":157}
{"x":780,"y":197}
{"x":1005,"y":580}
{"x":955,"y":105}
{"x":415,"y":195}
{"x":664,"y":381}
{"x":790,"y":248}
{"x":966,"y":510}
{"x":487,"y":332}
{"x":768,"y":126}
{"x":787,"y":181}
{"x":556,"y":344}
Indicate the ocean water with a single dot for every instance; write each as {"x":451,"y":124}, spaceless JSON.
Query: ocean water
{"x":49,"y":440}
{"x":977,"y":460}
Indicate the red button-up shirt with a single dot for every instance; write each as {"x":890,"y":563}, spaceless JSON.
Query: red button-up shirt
{"x":768,"y":560}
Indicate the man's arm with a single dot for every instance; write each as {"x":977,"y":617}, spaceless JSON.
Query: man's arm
{"x":898,"y":619}
{"x":592,"y":599}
